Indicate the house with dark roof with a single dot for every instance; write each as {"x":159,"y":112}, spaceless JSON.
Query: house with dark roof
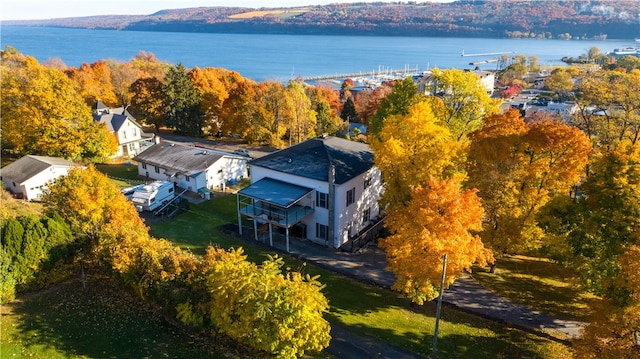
{"x":325,"y":190}
{"x":193,"y":168}
{"x":131,"y":139}
{"x":30,"y":175}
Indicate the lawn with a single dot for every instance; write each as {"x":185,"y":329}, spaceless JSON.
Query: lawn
{"x":66,"y":322}
{"x":122,"y":174}
{"x":369,"y":310}
{"x":102,"y":321}
{"x":540,"y":284}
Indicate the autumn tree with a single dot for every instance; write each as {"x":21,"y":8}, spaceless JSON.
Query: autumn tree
{"x":609,"y":103}
{"x":276,"y":312}
{"x":149,"y":65}
{"x":181,"y":102}
{"x":94,"y":208}
{"x":419,"y":161}
{"x":303,"y":125}
{"x":45,"y":101}
{"x":94,"y":82}
{"x":438,"y":220}
{"x":403,"y":95}
{"x":213,"y":93}
{"x":517,"y":169}
{"x":147,"y":102}
{"x":465,"y":100}
{"x":560,"y":80}
{"x":367,"y":102}
{"x":123,"y":75}
{"x":326,"y":104}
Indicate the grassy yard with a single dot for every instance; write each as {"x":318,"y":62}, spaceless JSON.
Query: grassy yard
{"x":540,"y":284}
{"x":99,"y":322}
{"x":369,"y":310}
{"x":66,"y":322}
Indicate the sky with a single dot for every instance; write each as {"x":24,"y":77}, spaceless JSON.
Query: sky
{"x":49,"y":9}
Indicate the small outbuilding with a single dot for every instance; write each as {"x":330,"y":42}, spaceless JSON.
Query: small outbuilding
{"x":29,"y":176}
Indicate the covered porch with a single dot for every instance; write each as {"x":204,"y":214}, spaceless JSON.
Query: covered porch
{"x":274,"y":203}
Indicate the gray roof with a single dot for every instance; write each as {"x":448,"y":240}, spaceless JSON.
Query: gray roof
{"x":115,"y":118}
{"x":179,"y":159}
{"x":275,"y":191}
{"x":313,"y":158}
{"x":30,"y":165}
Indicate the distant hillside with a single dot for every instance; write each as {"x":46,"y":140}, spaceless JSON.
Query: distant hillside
{"x":464,"y":18}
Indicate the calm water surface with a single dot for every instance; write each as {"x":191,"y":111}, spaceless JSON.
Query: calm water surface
{"x":279,"y":57}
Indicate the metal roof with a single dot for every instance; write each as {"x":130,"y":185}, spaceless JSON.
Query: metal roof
{"x":275,"y":191}
{"x":313,"y":159}
{"x":178,"y":159}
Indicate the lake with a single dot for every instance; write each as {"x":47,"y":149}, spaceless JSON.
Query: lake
{"x":281,"y":57}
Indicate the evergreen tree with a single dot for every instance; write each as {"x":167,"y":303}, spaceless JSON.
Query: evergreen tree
{"x":182,"y":102}
{"x":349,"y":113}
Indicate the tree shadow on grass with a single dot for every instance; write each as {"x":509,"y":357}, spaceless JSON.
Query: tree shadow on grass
{"x":103,"y":321}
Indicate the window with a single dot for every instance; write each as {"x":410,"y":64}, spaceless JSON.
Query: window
{"x":187,"y":178}
{"x":366,"y":216}
{"x":157,"y":169}
{"x":144,"y":166}
{"x":367,"y":182}
{"x":322,"y":231}
{"x":351,"y":196}
{"x":322,"y":200}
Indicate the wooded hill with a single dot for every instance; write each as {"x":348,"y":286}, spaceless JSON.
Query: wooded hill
{"x":464,"y":18}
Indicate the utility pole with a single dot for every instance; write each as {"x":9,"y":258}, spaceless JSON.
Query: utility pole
{"x":434,"y":350}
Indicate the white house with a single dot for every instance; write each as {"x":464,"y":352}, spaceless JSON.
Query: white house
{"x":325,"y":190}
{"x":29,"y":176}
{"x":131,"y":139}
{"x":196,"y":169}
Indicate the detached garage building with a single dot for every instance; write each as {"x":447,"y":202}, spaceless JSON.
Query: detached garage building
{"x":29,"y":176}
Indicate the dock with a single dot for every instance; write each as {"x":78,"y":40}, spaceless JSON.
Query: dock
{"x":488,"y":53}
{"x":362,"y":74}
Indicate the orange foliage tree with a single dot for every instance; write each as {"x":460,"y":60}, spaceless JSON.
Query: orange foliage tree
{"x":517,"y":169}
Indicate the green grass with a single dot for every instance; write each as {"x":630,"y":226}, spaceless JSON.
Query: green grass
{"x":99,"y":322}
{"x":540,"y":284}
{"x":369,"y":310}
{"x":68,"y":323}
{"x":122,"y":174}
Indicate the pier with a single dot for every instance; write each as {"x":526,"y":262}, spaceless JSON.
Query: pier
{"x":361,"y":74}
{"x":488,"y":53}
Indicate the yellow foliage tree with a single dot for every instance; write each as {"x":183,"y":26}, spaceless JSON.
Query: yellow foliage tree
{"x":410,"y":148}
{"x":428,"y":213}
{"x":45,"y":101}
{"x":438,"y":220}
{"x":280,"y":313}
{"x":465,"y":99}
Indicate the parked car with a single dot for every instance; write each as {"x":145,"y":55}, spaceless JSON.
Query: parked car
{"x":242,"y":152}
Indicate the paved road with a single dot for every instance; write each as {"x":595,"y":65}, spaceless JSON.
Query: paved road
{"x":466,"y":294}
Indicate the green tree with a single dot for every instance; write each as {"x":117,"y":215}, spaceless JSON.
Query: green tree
{"x":465,"y":100}
{"x":349,"y":113}
{"x":182,"y":102}
{"x":403,"y":95}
